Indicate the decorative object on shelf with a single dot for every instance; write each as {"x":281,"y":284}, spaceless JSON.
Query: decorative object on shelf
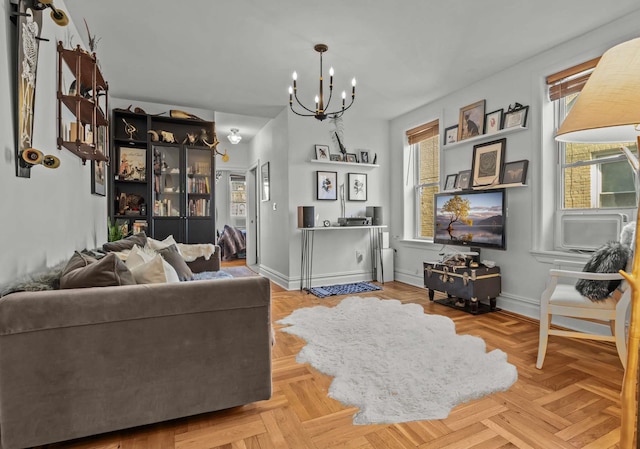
{"x":326,"y":223}
{"x":204,"y":137}
{"x":607,"y":111}
{"x":351,"y":157}
{"x":93,"y":40}
{"x":471,"y":120}
{"x":515,"y":172}
{"x":57,"y":15}
{"x":177,"y":113}
{"x":450,"y":183}
{"x":323,"y":153}
{"x":132,"y":164}
{"x":493,"y":121}
{"x":191,"y":139}
{"x":155,"y":137}
{"x":451,"y":134}
{"x":487,"y":162}
{"x":327,"y":184}
{"x":132,"y":131}
{"x":364,"y":157}
{"x":357,"y":183}
{"x":463,"y":180}
{"x":515,"y":116}
{"x":98,"y":186}
{"x":321,"y":109}
{"x":234,"y":137}
{"x":264,"y":175}
{"x":168,"y":137}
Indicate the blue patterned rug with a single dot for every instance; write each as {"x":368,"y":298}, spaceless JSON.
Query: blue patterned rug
{"x":343,"y":289}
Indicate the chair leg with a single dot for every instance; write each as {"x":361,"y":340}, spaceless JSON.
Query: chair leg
{"x":543,"y":339}
{"x":619,"y":331}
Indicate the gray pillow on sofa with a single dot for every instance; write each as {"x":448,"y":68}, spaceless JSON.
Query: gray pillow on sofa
{"x":84,"y":271}
{"x":139,"y":239}
{"x":175,"y":259}
{"x":610,"y":258}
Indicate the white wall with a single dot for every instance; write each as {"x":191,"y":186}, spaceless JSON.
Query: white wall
{"x":526,"y":261}
{"x":48,"y":216}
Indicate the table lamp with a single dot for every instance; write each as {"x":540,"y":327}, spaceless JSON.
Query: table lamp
{"x":608,"y":110}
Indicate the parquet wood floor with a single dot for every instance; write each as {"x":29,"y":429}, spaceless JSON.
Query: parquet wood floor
{"x":572,"y":403}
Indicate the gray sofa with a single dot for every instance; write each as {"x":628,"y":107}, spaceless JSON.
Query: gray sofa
{"x":80,"y":362}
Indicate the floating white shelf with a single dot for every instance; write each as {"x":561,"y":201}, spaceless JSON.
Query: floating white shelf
{"x":486,"y":137}
{"x":353,"y":164}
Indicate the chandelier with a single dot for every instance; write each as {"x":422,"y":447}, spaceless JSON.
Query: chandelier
{"x":234,"y":137}
{"x":321,"y":109}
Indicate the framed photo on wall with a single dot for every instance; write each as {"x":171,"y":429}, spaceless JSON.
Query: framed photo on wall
{"x":365,"y":158}
{"x":326,"y":185}
{"x":450,"y":183}
{"x":516,"y":117}
{"x":515,"y":172}
{"x":357,"y":183}
{"x":486,"y":164}
{"x":493,"y":121}
{"x":451,"y":134}
{"x":463,"y":180}
{"x":266,"y":182}
{"x":323,"y":153}
{"x":471,"y":120}
{"x":351,"y":157}
{"x":98,"y":186}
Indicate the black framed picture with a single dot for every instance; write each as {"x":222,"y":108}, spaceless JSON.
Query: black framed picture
{"x":98,"y":186}
{"x":471,"y":120}
{"x":493,"y":121}
{"x":516,"y":117}
{"x":486,"y":164}
{"x":357,"y":183}
{"x":515,"y":172}
{"x":450,"y":183}
{"x":463,"y":180}
{"x":451,"y":134}
{"x":326,"y":185}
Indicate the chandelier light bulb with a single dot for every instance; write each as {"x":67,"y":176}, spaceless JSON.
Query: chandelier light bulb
{"x":290,"y":90}
{"x":353,"y":82}
{"x":294,"y":76}
{"x":344,"y":95}
{"x":331,"y":71}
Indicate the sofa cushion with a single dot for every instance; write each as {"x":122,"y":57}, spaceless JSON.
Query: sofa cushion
{"x":157,"y":245}
{"x":83,"y":271}
{"x":141,"y":257}
{"x":126,"y":243}
{"x":151,"y":272}
{"x":173,"y":256}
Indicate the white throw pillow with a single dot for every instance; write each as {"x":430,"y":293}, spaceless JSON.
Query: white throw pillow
{"x":139,"y":256}
{"x":151,"y":272}
{"x":161,"y":244}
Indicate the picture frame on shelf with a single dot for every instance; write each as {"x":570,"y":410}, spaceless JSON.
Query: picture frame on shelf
{"x":493,"y":121}
{"x":515,"y":172}
{"x":335,"y":157}
{"x":450,"y":182}
{"x":451,"y":135}
{"x":463,"y":180}
{"x":364,"y":157}
{"x":326,"y":185}
{"x":98,"y":181}
{"x":471,"y":120}
{"x":323,"y":153}
{"x":357,"y":185}
{"x":516,"y":118}
{"x":486,"y":165}
{"x":266,"y":182}
{"x":351,"y":157}
{"x":132,"y":164}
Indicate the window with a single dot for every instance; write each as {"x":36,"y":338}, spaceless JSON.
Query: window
{"x":592,"y":176}
{"x":425,"y":146}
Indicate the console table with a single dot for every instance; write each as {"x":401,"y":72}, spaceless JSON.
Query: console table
{"x":306,"y":264}
{"x":465,"y":287}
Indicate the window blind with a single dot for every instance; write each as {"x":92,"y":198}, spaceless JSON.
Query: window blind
{"x":423,"y":132}
{"x":570,"y":81}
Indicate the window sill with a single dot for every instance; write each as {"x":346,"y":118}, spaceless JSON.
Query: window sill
{"x":550,"y":257}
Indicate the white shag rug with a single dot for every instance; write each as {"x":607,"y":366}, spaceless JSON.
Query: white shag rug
{"x":394,"y":362}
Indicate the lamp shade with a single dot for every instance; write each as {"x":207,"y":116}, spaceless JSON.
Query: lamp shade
{"x":608,"y":107}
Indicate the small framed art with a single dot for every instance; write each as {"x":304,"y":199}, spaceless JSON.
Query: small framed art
{"x":132,"y":164}
{"x":450,"y":183}
{"x":357,"y":183}
{"x":266,"y":182}
{"x":516,"y":117}
{"x":351,"y":157}
{"x":97,"y":178}
{"x":487,"y":163}
{"x":335,"y":157}
{"x":364,"y":157}
{"x":326,"y":182}
{"x":451,"y":134}
{"x":322,"y":152}
{"x":493,"y":121}
{"x":515,"y":172}
{"x":471,"y":120}
{"x":464,"y":177}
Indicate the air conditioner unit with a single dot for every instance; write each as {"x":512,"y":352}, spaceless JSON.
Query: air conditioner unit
{"x":588,"y":231}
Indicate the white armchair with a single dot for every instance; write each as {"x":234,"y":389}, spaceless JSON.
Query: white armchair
{"x":564,"y":300}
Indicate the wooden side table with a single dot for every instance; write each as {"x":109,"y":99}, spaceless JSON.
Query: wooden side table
{"x":465,"y":287}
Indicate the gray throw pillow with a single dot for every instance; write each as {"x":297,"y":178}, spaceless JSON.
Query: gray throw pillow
{"x":609,"y":258}
{"x":139,"y":239}
{"x":83,"y":271}
{"x":175,"y":259}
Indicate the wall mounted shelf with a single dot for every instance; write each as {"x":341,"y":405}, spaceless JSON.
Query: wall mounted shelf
{"x":486,"y":137}
{"x":353,"y":164}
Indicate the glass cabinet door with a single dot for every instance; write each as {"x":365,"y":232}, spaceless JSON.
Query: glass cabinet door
{"x":198,"y":165}
{"x":166,"y":181}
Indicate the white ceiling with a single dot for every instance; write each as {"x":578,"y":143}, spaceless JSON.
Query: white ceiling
{"x":237,"y":56}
